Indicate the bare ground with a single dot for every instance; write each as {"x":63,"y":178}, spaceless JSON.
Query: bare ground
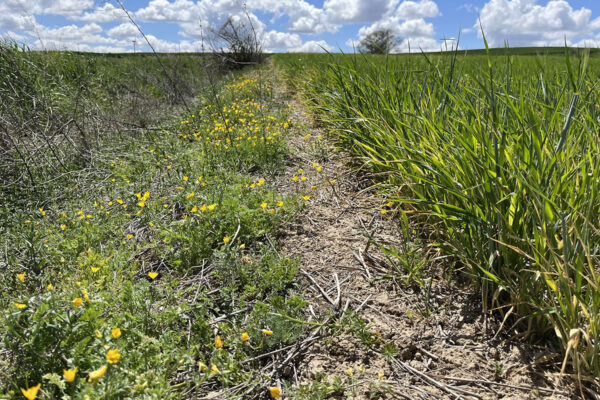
{"x":445,"y":349}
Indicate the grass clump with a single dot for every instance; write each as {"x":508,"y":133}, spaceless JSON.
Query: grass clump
{"x":499,"y":155}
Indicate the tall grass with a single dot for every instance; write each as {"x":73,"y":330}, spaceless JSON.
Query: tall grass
{"x":502,"y":153}
{"x":59,"y":110}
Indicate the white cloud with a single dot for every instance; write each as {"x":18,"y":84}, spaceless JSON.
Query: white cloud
{"x":291,"y":42}
{"x":312,"y":46}
{"x":106,"y":13}
{"x":588,"y":42}
{"x":274,"y":41}
{"x":404,"y":29}
{"x":356,"y":11}
{"x":163,"y":10}
{"x":15,"y":36}
{"x":526,"y":23}
{"x":71,"y":32}
{"x":352,"y":43}
{"x":67,"y":8}
{"x":470,"y":8}
{"x":414,"y":10}
{"x":17,"y":22}
{"x":418,"y":44}
{"x":303,"y":17}
{"x":195,"y":18}
{"x":160,"y":45}
{"x":125,"y":30}
{"x":73,"y":37}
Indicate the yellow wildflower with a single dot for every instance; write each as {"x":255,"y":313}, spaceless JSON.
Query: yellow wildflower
{"x":50,"y":287}
{"x":212,"y":207}
{"x":383,"y":211}
{"x":242,"y":246}
{"x":69,"y":374}
{"x":295,"y":178}
{"x":280,"y":203}
{"x":185,"y":178}
{"x":63,"y":227}
{"x":267,"y":332}
{"x":95,"y":269}
{"x":31,"y":393}
{"x":115,"y":332}
{"x":113,"y":356}
{"x":305,"y":198}
{"x":260,"y":182}
{"x":21,"y":277}
{"x":218,"y":342}
{"x":97,"y":374}
{"x":190,"y":195}
{"x":264,"y":205}
{"x":194,"y":209}
{"x":152,"y":275}
{"x":226,"y":239}
{"x":214,"y":369}
{"x":129,"y":236}
{"x":20,"y":306}
{"x":245,"y":337}
{"x":202,"y":366}
{"x":350,"y":371}
{"x":275,"y":392}
{"x":78,"y":302}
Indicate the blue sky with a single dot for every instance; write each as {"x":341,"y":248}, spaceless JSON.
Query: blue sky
{"x":300,"y":25}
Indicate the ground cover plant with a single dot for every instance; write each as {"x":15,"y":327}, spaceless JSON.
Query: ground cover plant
{"x":153,"y":272}
{"x":496,"y":156}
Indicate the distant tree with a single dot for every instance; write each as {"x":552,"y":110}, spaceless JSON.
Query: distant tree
{"x":381,"y":41}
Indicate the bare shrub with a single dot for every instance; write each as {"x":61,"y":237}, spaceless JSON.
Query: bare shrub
{"x":237,"y":44}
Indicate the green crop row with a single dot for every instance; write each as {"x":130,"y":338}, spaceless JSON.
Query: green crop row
{"x":499,"y":155}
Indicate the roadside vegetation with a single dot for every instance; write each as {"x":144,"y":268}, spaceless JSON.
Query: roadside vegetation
{"x":139,"y":259}
{"x":495,"y":159}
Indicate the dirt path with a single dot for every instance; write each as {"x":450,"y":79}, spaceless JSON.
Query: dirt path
{"x":421,"y":341}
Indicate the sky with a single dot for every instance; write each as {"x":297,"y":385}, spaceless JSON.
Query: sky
{"x":299,"y":25}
